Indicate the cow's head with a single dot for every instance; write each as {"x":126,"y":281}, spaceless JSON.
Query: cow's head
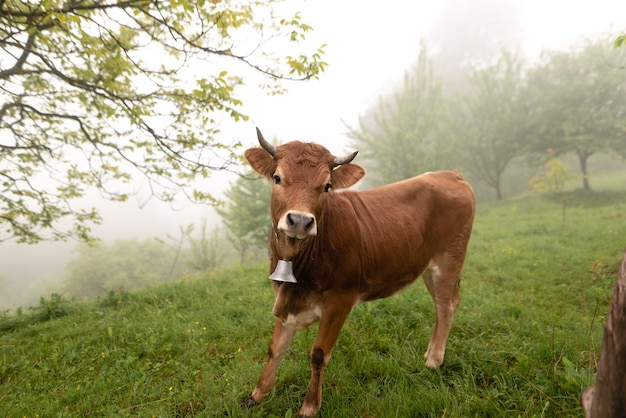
{"x":303,"y":175}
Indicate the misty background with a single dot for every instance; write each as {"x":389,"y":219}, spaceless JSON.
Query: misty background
{"x":370,"y":47}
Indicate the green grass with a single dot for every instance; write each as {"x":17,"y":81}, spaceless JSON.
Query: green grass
{"x":525,"y":341}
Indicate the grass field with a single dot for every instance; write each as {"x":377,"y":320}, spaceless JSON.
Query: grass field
{"x":525,"y":341}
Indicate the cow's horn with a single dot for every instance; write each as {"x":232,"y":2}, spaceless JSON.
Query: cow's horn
{"x":266,"y":145}
{"x":344,"y":160}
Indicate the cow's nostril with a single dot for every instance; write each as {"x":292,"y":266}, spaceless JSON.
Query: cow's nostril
{"x":290,"y":221}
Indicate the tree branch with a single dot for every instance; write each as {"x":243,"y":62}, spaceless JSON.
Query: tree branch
{"x":17,"y":67}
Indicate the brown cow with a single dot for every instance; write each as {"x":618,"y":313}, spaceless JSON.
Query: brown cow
{"x":351,"y":247}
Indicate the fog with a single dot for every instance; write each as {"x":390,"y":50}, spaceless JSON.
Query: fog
{"x":370,"y":45}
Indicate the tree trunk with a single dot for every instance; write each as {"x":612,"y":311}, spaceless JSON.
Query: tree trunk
{"x":583,"y":157}
{"x":497,"y":187}
{"x":607,"y":399}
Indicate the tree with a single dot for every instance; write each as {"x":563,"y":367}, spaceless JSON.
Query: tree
{"x":553,"y":181}
{"x":98,"y":93}
{"x":400,"y":138}
{"x":579,"y":102}
{"x":205,"y":252}
{"x":247,"y":215}
{"x":488,"y":119}
{"x":178,"y":244}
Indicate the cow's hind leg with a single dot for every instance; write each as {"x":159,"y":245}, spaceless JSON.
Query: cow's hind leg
{"x":442,"y":280}
{"x":281,"y":340}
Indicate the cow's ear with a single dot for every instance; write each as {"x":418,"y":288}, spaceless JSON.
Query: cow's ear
{"x":262,"y":162}
{"x":346,"y":175}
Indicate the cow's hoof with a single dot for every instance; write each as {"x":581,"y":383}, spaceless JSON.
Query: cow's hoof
{"x":249,"y":402}
{"x":433,"y":362}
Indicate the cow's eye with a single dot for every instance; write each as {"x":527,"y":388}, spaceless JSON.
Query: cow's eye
{"x":276,"y":179}
{"x":328,"y":187}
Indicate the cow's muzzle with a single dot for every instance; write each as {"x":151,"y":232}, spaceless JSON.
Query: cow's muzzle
{"x":298,"y":224}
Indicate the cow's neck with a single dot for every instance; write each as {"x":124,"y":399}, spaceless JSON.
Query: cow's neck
{"x":285,"y":248}
{"x":330,"y":240}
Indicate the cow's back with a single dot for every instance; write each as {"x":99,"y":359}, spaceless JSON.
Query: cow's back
{"x":400,"y":228}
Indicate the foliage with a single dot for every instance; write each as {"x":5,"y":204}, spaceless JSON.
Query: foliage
{"x":246,"y":214}
{"x":579,"y":102}
{"x":196,"y":347}
{"x":619,"y":41}
{"x":400,"y":138}
{"x":47,"y":309}
{"x":554,"y":180}
{"x":55,"y":307}
{"x":98,"y":94}
{"x":487,"y":119}
{"x":125,"y":264}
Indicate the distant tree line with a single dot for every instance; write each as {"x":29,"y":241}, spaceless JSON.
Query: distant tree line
{"x":571,"y":103}
{"x":132,"y":263}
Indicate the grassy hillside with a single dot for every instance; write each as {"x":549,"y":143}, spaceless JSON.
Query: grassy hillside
{"x":525,"y":341}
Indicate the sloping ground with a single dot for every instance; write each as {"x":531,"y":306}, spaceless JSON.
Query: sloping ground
{"x":525,"y":340}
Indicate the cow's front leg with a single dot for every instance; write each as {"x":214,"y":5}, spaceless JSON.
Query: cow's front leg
{"x":329,"y":329}
{"x":281,"y":340}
